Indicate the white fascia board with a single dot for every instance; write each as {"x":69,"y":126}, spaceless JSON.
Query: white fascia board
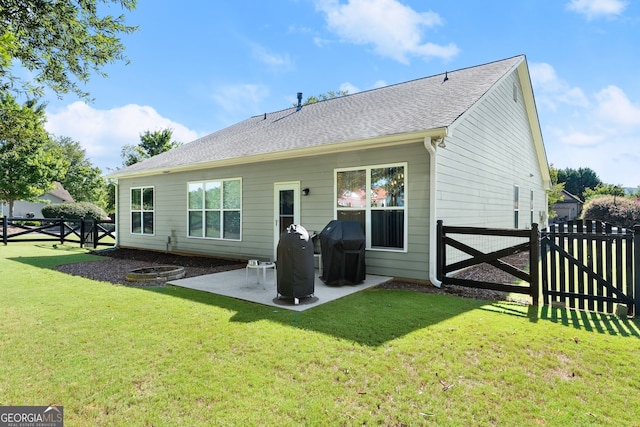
{"x":339,"y":147}
{"x":534,"y":122}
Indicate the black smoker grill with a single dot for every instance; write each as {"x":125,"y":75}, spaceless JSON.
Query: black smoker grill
{"x":343,"y":245}
{"x":296,"y":273}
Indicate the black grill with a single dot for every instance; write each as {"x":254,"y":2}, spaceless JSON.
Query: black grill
{"x":343,"y":248}
{"x":296,"y":273}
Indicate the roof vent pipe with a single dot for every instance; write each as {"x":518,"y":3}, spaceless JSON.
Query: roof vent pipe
{"x":299,"y":101}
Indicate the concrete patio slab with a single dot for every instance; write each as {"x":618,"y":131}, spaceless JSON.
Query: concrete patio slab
{"x":245,"y":286}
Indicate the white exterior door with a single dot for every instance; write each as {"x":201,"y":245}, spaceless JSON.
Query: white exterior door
{"x":286,"y":209}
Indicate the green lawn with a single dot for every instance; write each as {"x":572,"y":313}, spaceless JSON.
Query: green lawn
{"x":114,"y":355}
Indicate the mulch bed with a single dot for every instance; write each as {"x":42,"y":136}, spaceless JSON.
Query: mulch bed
{"x":122,"y":258}
{"x":159,"y":258}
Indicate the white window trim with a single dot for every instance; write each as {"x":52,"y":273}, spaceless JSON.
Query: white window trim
{"x":142,"y":210}
{"x":516,"y":206}
{"x":222,"y":210}
{"x":368,"y":209}
{"x":532,"y":205}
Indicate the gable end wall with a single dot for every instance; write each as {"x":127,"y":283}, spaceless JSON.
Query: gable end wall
{"x":489,"y":152}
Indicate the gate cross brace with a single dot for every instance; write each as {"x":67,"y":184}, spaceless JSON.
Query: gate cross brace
{"x":492,"y":258}
{"x":546,"y":242}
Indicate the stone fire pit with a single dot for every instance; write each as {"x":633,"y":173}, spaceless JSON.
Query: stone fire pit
{"x":158,"y":273}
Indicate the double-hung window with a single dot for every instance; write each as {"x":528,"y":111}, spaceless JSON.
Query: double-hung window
{"x":142,"y":210}
{"x":215,"y":209}
{"x":375,"y":196}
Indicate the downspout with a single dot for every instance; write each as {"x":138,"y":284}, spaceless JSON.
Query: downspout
{"x":430,"y":145}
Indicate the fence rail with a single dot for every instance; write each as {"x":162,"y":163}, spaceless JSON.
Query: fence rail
{"x":478,"y":256}
{"x":587,"y":265}
{"x":86,"y":232}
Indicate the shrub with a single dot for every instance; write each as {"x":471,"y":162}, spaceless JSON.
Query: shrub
{"x":74,"y":211}
{"x":618,"y":211}
{"x":27,"y":223}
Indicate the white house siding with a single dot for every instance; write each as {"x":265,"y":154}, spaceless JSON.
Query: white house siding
{"x":490,"y":151}
{"x":317,"y":209}
{"x":21,"y":208}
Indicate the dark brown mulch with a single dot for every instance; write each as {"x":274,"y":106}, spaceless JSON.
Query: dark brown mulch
{"x":158,"y":258}
{"x":479,"y":273}
{"x":460,"y":291}
{"x":119,"y":262}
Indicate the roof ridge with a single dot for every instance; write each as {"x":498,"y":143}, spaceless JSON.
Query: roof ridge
{"x":410,"y":107}
{"x":392,"y":85}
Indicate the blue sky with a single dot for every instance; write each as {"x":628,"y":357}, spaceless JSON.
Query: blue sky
{"x":197,"y":66}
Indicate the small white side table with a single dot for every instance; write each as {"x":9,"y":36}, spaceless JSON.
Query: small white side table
{"x":260,"y":266}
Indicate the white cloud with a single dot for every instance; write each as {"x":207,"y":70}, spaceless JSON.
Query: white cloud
{"x":379,"y":83}
{"x":238,"y":98}
{"x":320,"y":42}
{"x":281,"y":62}
{"x":349,"y":88}
{"x":598,"y":130}
{"x":102,"y":133}
{"x":615,"y":108}
{"x":393,"y":29}
{"x":577,"y":138}
{"x":550,"y":90}
{"x":593,"y":9}
{"x":300,"y":29}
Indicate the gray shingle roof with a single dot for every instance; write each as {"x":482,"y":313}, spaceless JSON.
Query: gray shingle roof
{"x":60,"y":192}
{"x":414,"y":106}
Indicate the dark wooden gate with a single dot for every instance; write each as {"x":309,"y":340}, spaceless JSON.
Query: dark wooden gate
{"x":589,"y":265}
{"x":452,"y":237}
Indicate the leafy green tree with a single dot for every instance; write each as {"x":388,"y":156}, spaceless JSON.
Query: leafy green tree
{"x":83,"y":180}
{"x":576,"y":181}
{"x":29,"y":164}
{"x":323,"y":97}
{"x":554,"y":194}
{"x":61,"y":43}
{"x":110,"y":198}
{"x":151,"y":144}
{"x":604,"y":190}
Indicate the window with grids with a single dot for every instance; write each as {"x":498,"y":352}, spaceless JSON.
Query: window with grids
{"x":142,"y":210}
{"x":215,"y":209}
{"x":375,"y":197}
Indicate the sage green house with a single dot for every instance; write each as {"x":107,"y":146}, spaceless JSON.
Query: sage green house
{"x":464,"y":146}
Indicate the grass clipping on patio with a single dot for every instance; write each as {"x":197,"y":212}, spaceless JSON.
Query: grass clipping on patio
{"x":115,"y":355}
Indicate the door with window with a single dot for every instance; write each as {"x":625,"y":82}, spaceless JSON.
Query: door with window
{"x":287,"y":208}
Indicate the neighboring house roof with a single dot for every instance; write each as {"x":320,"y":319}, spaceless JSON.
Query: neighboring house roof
{"x":60,"y":192}
{"x":418,"y":108}
{"x":569,"y":198}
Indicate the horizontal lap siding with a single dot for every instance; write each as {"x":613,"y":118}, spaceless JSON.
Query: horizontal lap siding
{"x":491,"y":150}
{"x":317,"y":209}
